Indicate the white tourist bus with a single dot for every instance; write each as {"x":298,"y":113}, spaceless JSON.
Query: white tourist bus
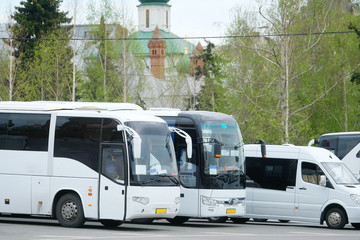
{"x":76,"y":165}
{"x":345,"y":145}
{"x":212,"y":181}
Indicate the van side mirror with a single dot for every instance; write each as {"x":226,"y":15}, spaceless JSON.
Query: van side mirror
{"x":322,"y":181}
{"x":263,"y":148}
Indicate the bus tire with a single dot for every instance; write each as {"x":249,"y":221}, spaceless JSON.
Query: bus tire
{"x":335,"y":218}
{"x":143,"y":220}
{"x":356,"y":225}
{"x":260,"y":219}
{"x":178,"y":220}
{"x":69,"y":211}
{"x":284,"y":221}
{"x":110,"y":223}
{"x":240,"y":220}
{"x":217,"y":219}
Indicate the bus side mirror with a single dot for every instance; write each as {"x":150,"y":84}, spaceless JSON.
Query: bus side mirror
{"x":187,"y":138}
{"x":136,"y":139}
{"x":322,"y":181}
{"x":188,"y":146}
{"x":136,"y":146}
{"x":217,"y":150}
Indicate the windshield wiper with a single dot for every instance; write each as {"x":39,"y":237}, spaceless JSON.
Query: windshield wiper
{"x":210,"y":140}
{"x":172,"y":178}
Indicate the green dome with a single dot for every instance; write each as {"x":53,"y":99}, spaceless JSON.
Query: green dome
{"x":183,"y":66}
{"x":154,"y":1}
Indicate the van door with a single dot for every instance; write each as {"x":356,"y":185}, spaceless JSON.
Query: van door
{"x":112,"y":182}
{"x":273,"y":186}
{"x":310,"y":196}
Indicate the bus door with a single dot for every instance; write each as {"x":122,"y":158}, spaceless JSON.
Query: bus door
{"x":188,"y":180}
{"x":112,"y":182}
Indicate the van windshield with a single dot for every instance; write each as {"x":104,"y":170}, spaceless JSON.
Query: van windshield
{"x":340,"y":173}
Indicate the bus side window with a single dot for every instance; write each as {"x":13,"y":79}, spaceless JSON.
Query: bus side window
{"x":329,"y":143}
{"x":346,"y":144}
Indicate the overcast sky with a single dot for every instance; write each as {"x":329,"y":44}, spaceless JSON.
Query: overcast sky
{"x":191,"y":18}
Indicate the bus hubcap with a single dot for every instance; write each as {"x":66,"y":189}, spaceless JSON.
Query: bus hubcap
{"x":334,"y":218}
{"x":69,"y":210}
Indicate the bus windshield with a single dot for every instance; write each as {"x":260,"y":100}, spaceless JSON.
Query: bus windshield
{"x":228,"y":136}
{"x":157,"y":164}
{"x":340,"y":173}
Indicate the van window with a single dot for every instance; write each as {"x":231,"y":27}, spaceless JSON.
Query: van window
{"x":311,"y":173}
{"x":271,"y":173}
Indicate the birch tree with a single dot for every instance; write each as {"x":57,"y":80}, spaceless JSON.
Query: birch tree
{"x":278,"y":74}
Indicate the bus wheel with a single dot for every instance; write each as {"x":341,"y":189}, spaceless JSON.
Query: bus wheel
{"x":217,"y":219}
{"x":239,"y":220}
{"x":260,"y":219}
{"x":284,"y":221}
{"x":178,"y":220}
{"x":335,"y":218}
{"x":356,"y":225}
{"x":69,"y":211}
{"x":110,"y":223}
{"x":143,"y":220}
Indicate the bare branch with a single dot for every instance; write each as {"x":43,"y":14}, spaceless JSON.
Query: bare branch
{"x":326,"y":92}
{"x":302,"y":73}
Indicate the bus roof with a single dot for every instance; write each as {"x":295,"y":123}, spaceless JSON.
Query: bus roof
{"x":341,"y":133}
{"x":63,"y":105}
{"x":198,"y":116}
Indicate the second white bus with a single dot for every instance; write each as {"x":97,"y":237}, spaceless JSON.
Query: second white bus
{"x":212,"y":180}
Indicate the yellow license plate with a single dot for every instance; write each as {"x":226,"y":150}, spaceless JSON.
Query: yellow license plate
{"x":160,"y":210}
{"x":230,"y":210}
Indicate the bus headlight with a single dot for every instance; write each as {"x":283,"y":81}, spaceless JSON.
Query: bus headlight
{"x":142,"y":200}
{"x":209,"y":201}
{"x":355,"y":198}
{"x":177,"y":200}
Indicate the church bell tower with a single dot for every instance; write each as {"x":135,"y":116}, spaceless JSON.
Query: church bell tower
{"x":152,"y":13}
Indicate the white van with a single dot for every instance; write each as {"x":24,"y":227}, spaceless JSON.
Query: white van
{"x":300,"y":183}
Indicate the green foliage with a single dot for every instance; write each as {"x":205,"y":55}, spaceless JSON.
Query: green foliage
{"x":212,"y":94}
{"x":34,"y":19}
{"x":42,"y":64}
{"x":49,"y":75}
{"x":111,"y":71}
{"x":320,"y":95}
{"x":4,"y":68}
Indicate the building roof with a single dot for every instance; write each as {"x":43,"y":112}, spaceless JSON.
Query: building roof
{"x":175,"y":44}
{"x":154,"y":2}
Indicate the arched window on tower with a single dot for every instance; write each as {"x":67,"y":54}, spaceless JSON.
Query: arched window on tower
{"x":167,"y":19}
{"x":147,"y":18}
